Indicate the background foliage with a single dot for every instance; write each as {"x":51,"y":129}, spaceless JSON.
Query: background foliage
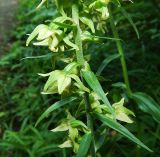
{"x":21,"y":102}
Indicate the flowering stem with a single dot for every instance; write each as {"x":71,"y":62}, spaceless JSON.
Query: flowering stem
{"x":79,"y":52}
{"x":81,"y":61}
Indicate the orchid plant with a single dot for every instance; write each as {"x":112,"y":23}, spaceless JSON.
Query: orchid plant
{"x":77,"y":23}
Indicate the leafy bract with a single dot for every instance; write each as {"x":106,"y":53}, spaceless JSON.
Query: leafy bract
{"x":54,"y":107}
{"x":93,"y":82}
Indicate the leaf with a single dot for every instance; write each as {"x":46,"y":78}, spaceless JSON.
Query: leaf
{"x":49,"y":55}
{"x":42,"y":2}
{"x":84,"y":145}
{"x":120,"y":85}
{"x":54,"y":107}
{"x":106,"y":62}
{"x":119,"y":128}
{"x":100,"y":137}
{"x":93,"y":82}
{"x":88,"y":22}
{"x":130,"y":20}
{"x":64,"y":25}
{"x":147,"y":104}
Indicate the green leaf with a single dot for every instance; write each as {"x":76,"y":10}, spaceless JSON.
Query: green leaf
{"x":54,"y":107}
{"x":106,"y":62}
{"x":49,"y":55}
{"x":84,"y":145}
{"x":64,"y":25}
{"x":120,"y":85}
{"x":93,"y":82}
{"x":128,"y":17}
{"x":119,"y":128}
{"x":147,"y":104}
{"x":42,"y":2}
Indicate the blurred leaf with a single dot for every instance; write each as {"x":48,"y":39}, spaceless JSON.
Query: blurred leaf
{"x":39,"y":57}
{"x":84,"y":145}
{"x":106,"y":62}
{"x":121,"y":129}
{"x":147,"y":104}
{"x":128,"y":17}
{"x":54,"y":107}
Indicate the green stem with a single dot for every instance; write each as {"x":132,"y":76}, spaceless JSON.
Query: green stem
{"x":90,"y":123}
{"x":79,"y":52}
{"x":81,"y":61}
{"x":121,"y":52}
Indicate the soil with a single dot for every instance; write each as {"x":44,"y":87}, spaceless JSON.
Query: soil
{"x":7,"y":22}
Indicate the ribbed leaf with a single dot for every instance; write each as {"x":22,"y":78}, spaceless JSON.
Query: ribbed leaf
{"x":106,"y":62}
{"x":128,"y":17}
{"x":54,"y":107}
{"x":93,"y":82}
{"x":84,"y":145}
{"x":119,"y":128}
{"x":147,"y":104}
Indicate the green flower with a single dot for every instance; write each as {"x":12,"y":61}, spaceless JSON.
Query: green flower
{"x":60,"y":80}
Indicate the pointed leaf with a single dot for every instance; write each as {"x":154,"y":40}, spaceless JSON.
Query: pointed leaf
{"x":54,"y":107}
{"x":84,"y":145}
{"x":128,"y":17}
{"x":93,"y":82}
{"x":106,"y":62}
{"x":121,"y":129}
{"x":147,"y":104}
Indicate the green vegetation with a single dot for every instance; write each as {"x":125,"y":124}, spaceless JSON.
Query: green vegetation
{"x":89,"y":49}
